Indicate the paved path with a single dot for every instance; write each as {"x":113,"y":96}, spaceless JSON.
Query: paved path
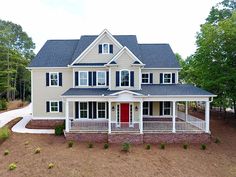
{"x":10,"y":115}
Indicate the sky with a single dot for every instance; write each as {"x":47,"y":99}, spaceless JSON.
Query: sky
{"x":153,"y":21}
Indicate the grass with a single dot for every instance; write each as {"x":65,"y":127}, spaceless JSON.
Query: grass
{"x":4,"y":133}
{"x":125,"y":147}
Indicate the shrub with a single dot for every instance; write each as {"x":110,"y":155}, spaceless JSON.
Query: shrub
{"x":27,"y":142}
{"x":3,"y":104}
{"x":37,"y":150}
{"x":70,"y":144}
{"x":50,"y":165}
{"x":6,"y":152}
{"x":90,"y":145}
{"x":217,"y":141}
{"x":4,"y":133}
{"x":148,"y":146}
{"x":12,"y":166}
{"x":162,"y":146}
{"x":203,"y":146}
{"x":106,"y":146}
{"x":185,"y":146}
{"x":59,"y":130}
{"x":125,"y":147}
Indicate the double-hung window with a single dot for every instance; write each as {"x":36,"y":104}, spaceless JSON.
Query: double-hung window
{"x":124,"y":78}
{"x":101,"y":78}
{"x":54,"y":79}
{"x":105,"y":48}
{"x":54,"y":106}
{"x":167,"y":78}
{"x":145,"y":78}
{"x":83,"y":78}
{"x":83,"y":109}
{"x":146,"y":108}
{"x":166,"y":108}
{"x":101,"y":110}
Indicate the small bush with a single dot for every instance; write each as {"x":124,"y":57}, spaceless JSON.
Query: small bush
{"x":27,"y":142}
{"x":185,"y":146}
{"x":12,"y":166}
{"x":203,"y":146}
{"x":125,"y":147}
{"x":37,"y":150}
{"x":106,"y":146}
{"x":6,"y":152}
{"x":70,"y":144}
{"x":4,"y":133}
{"x":59,"y":130}
{"x":50,"y":165}
{"x":90,"y":145}
{"x":3,"y":104}
{"x":162,"y":146}
{"x":217,"y":141}
{"x":148,"y":146}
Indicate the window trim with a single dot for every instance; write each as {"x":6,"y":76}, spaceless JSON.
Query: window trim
{"x":107,"y":48}
{"x":163,"y":77}
{"x":50,"y":106}
{"x":86,"y":110}
{"x":129,"y":78}
{"x":105,"y":110}
{"x":148,"y":102}
{"x":163,"y":108}
{"x":57,"y":73}
{"x":148,"y":77}
{"x":97,"y":78}
{"x":87,"y":78}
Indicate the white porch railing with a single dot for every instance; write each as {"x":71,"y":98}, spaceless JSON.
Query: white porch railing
{"x":90,"y":125}
{"x":124,"y":127}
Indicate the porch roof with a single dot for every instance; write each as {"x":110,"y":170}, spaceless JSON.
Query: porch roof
{"x":147,"y":90}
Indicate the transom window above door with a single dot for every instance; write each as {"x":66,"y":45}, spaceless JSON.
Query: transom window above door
{"x":105,"y":48}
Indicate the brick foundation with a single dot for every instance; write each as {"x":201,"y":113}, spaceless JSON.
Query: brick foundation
{"x":176,"y":138}
{"x":44,"y":124}
{"x":87,"y":137}
{"x":129,"y":138}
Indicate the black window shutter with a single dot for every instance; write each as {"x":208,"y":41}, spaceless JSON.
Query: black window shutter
{"x":94,"y":78}
{"x":161,"y":78}
{"x":94,"y":110}
{"x":150,"y":108}
{"x":76,"y":109}
{"x":151,"y":78}
{"x":173,"y":78}
{"x":111,"y":48}
{"x":100,"y":48}
{"x":117,"y":78}
{"x":47,"y":79}
{"x":107,"y":78}
{"x":132,"y":78}
{"x":90,"y":78}
{"x":60,"y":79}
{"x":76,"y":78}
{"x":60,"y":106}
{"x":161,"y":108}
{"x":90,"y":110}
{"x":107,"y":108}
{"x":47,"y":106}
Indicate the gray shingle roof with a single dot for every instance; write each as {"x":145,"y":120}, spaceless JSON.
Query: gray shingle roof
{"x":152,"y":89}
{"x":60,"y":53}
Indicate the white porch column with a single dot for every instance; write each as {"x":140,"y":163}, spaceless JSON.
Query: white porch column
{"x":67,"y":116}
{"x":141,"y":118}
{"x":207,"y":116}
{"x":186,"y":111}
{"x":173,"y":117}
{"x":109,"y":118}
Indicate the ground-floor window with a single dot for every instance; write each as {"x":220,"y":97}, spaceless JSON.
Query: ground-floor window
{"x":83,"y":109}
{"x":118,"y":114}
{"x":166,"y":108}
{"x":54,"y":106}
{"x":131,"y":114}
{"x":146,"y":108}
{"x":101,"y":110}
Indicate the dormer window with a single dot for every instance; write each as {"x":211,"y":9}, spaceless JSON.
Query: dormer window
{"x":105,"y":48}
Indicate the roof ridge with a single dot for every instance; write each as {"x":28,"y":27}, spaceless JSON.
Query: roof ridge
{"x":63,"y":39}
{"x":153,"y":44}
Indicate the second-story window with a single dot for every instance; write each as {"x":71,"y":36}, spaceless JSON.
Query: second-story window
{"x":145,"y":78}
{"x":83,"y":78}
{"x":105,"y":48}
{"x":54,"y":79}
{"x":101,"y":78}
{"x":167,"y":78}
{"x":124,"y":78}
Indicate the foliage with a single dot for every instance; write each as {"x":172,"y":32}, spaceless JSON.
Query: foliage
{"x":90,"y":145}
{"x":106,"y":146}
{"x":125,"y":147}
{"x":185,"y":146}
{"x":203,"y":146}
{"x":217,"y":141}
{"x":12,"y":166}
{"x":162,"y":146}
{"x":4,"y":133}
{"x":50,"y":165}
{"x":3,"y":104}
{"x":37,"y":150}
{"x":148,"y":146}
{"x":59,"y":130}
{"x":6,"y":152}
{"x":70,"y":144}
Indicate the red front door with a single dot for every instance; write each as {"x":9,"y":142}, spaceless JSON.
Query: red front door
{"x":124,"y":112}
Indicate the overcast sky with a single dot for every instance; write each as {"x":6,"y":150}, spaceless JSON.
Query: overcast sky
{"x":153,"y":21}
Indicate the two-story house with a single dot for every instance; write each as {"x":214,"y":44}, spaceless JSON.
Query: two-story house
{"x":111,"y":88}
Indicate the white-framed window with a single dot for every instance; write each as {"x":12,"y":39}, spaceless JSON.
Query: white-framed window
{"x":83,"y":78}
{"x":101,"y":78}
{"x":101,"y":111}
{"x":145,"y":78}
{"x":54,"y":78}
{"x":146,"y":108}
{"x":125,"y":78}
{"x":54,"y":106}
{"x":166,"y":108}
{"x":118,"y":115}
{"x":167,"y":78}
{"x":105,"y":48}
{"x":83,"y":110}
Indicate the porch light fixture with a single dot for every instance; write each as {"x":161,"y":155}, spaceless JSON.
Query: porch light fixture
{"x":136,"y":108}
{"x":113,"y":108}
